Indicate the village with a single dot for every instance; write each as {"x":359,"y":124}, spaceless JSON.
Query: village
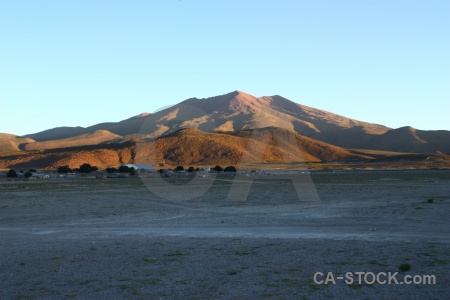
{"x":125,"y":171}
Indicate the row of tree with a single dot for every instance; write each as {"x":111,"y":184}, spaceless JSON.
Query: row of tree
{"x":122,"y":169}
{"x":87,"y":168}
{"x":84,"y":168}
{"x":13,"y":174}
{"x":227,"y":169}
{"x":192,"y":169}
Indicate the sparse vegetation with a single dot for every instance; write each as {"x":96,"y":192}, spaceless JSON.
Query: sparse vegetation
{"x":126,"y":169}
{"x":404,"y":267}
{"x":218,"y":168}
{"x":11,"y":174}
{"x":230,"y":169}
{"x":111,"y":170}
{"x":178,"y":253}
{"x":64,"y":169}
{"x":376,"y":262}
{"x":152,"y":281}
{"x":87,"y":168}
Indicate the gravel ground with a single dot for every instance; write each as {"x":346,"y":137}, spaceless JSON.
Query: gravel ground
{"x":115,"y":239}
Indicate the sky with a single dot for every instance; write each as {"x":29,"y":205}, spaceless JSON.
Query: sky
{"x":79,"y":63}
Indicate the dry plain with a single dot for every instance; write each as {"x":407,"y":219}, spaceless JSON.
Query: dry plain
{"x":125,"y":239}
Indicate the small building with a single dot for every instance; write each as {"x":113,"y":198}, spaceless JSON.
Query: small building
{"x":39,"y":175}
{"x":141,"y":167}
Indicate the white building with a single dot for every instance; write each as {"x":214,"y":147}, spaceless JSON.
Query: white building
{"x":39,"y":175}
{"x":141,"y":167}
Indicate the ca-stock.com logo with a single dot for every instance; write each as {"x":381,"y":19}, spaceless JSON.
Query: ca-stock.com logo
{"x":164,"y":153}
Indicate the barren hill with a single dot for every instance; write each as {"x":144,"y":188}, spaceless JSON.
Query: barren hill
{"x":268,"y":145}
{"x":95,"y":138}
{"x":412,"y":140}
{"x":237,"y":111}
{"x":11,"y":143}
{"x":190,"y":147}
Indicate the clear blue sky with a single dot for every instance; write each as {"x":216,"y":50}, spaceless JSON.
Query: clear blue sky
{"x":70,"y":63}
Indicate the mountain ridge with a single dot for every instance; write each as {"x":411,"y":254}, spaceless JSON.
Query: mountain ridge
{"x":238,"y":110}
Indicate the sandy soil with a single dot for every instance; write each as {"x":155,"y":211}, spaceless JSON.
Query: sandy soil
{"x":115,"y":238}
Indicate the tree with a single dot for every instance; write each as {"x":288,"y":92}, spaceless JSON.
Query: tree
{"x":111,"y":170}
{"x":179,"y":168}
{"x":32,"y":171}
{"x":28,"y":175}
{"x":125,"y":169}
{"x":11,"y":174}
{"x":218,"y":168}
{"x":230,"y":169}
{"x":64,"y":169}
{"x":191,"y":169}
{"x":87,"y":168}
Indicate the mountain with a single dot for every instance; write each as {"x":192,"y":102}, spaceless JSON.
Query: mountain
{"x":85,"y":139}
{"x":11,"y":143}
{"x":230,"y":112}
{"x":238,"y":111}
{"x":190,"y":147}
{"x":412,"y":140}
{"x":267,"y":145}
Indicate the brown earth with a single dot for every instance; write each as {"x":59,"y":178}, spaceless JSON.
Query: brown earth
{"x":190,"y":147}
{"x":11,"y":143}
{"x":271,"y":148}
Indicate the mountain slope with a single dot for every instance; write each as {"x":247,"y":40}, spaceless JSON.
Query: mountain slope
{"x":240,"y":111}
{"x":268,"y":145}
{"x":190,"y":147}
{"x":95,"y":138}
{"x":11,"y":143}
{"x":233,"y":111}
{"x":412,"y":140}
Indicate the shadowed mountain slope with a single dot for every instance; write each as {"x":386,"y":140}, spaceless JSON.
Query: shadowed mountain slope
{"x":237,"y":111}
{"x":190,"y":147}
{"x":95,"y":138}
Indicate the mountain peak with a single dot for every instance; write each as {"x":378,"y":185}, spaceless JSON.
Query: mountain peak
{"x":142,"y":115}
{"x":234,"y":94}
{"x":241,"y":93}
